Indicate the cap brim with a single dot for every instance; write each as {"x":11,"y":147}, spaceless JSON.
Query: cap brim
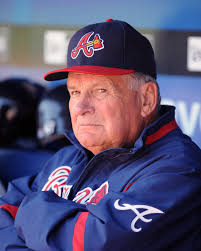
{"x":90,"y":69}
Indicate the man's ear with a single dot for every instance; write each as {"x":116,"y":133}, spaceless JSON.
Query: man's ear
{"x":149,"y":98}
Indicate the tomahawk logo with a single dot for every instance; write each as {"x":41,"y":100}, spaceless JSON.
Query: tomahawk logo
{"x":88,"y":47}
{"x":139,"y":215}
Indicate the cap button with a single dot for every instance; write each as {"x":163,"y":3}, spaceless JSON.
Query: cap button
{"x":108,"y":20}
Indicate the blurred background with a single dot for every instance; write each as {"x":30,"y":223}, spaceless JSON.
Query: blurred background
{"x":34,"y":35}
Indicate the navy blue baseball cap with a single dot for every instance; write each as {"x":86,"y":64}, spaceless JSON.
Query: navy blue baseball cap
{"x":109,"y":48}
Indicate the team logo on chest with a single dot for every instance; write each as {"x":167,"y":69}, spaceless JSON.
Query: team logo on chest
{"x":88,"y":47}
{"x":57,"y":181}
{"x":88,"y":196}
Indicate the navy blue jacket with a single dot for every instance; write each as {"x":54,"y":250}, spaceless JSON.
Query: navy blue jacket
{"x":143,"y":198}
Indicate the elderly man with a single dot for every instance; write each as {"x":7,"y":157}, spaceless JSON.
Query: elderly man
{"x":131,"y":180}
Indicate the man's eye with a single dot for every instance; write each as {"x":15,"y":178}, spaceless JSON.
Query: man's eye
{"x":75,"y":93}
{"x":102,"y":90}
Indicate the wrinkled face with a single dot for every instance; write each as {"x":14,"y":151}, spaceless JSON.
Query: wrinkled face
{"x":105,"y":113}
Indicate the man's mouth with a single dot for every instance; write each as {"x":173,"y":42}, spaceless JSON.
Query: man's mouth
{"x":89,"y":125}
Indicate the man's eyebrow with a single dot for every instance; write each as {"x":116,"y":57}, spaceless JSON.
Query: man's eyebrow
{"x":96,"y":84}
{"x":71,"y":87}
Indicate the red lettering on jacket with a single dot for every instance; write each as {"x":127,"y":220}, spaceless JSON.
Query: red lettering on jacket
{"x":57,"y":180}
{"x":99,"y":194}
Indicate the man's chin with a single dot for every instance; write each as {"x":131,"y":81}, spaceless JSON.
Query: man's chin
{"x":89,"y":143}
{"x":89,"y":140}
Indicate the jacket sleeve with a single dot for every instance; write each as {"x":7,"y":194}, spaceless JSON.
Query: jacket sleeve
{"x":9,"y":204}
{"x":11,"y":200}
{"x":155,"y":213}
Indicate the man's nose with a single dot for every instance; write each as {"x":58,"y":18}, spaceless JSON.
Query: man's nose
{"x":83,"y":105}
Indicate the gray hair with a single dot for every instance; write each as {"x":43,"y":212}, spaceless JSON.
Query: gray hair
{"x":138,"y":79}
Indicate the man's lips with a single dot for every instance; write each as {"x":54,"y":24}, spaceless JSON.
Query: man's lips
{"x":89,"y":125}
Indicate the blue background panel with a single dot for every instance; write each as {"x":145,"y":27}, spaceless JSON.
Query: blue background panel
{"x":152,"y":14}
{"x":185,"y":94}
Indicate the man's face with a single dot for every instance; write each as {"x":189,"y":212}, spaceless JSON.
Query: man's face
{"x":105,"y":113}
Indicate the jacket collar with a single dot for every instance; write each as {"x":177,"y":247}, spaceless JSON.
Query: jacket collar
{"x":159,"y":128}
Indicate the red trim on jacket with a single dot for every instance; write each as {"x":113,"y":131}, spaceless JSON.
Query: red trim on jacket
{"x":10,"y":208}
{"x":78,"y":235}
{"x":126,"y":188}
{"x":161,"y":132}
